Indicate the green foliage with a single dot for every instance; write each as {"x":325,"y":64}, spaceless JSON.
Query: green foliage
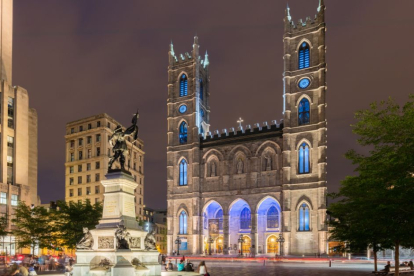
{"x":32,"y":226}
{"x":375,"y":206}
{"x":71,"y":218}
{"x":3,"y":226}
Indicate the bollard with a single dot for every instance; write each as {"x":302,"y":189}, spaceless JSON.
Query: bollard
{"x":330,"y":262}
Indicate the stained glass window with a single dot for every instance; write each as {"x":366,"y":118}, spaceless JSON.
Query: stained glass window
{"x":304,"y":55}
{"x":183,"y":223}
{"x":219,"y":216}
{"x":272,"y":218}
{"x":183,"y":133}
{"x":304,"y":217}
{"x":304,"y":162}
{"x":304,"y":115}
{"x":245,"y":219}
{"x":183,"y":173}
{"x":183,"y":85}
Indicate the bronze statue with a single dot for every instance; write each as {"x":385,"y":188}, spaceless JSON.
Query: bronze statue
{"x":87,"y":241}
{"x":118,"y":143}
{"x":123,"y":237}
{"x":150,"y":242}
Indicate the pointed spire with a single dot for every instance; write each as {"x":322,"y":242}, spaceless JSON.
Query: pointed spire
{"x":206,"y":62}
{"x":195,"y":40}
{"x":321,"y":3}
{"x":288,"y":12}
{"x":171,"y":48}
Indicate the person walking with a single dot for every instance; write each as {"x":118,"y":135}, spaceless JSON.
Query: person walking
{"x":202,"y":269}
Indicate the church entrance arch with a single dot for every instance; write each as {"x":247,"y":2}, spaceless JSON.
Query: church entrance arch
{"x":219,"y":245}
{"x":272,"y":245}
{"x":268,"y":221}
{"x":247,"y":244}
{"x":212,"y":222}
{"x":240,"y":221}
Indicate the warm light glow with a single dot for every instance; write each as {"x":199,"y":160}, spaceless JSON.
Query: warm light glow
{"x":272,"y":239}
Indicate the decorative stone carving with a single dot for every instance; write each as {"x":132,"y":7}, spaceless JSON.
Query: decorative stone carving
{"x":213,"y":169}
{"x":150,"y":242}
{"x":268,"y":159}
{"x":87,"y":241}
{"x":135,"y":262}
{"x":240,"y":166}
{"x":123,"y":237}
{"x":135,"y":242}
{"x":105,"y":263}
{"x":106,"y":242}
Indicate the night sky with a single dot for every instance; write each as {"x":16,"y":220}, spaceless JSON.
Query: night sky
{"x":79,"y":58}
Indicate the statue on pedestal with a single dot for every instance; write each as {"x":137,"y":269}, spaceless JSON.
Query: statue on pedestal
{"x":268,"y":162}
{"x":123,"y":237}
{"x":240,"y":166}
{"x":87,"y":241}
{"x":118,"y":143}
{"x":150,"y":242}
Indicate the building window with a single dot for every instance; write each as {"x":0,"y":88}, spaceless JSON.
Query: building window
{"x":88,"y":190}
{"x":140,"y":201}
{"x":96,"y":189}
{"x":79,"y":168}
{"x":135,"y":166}
{"x":98,"y":124}
{"x":140,"y":180}
{"x":71,"y":193}
{"x":72,"y":157}
{"x":304,"y":56}
{"x":183,"y":85}
{"x":98,"y":151}
{"x":183,"y":223}
{"x":201,"y":89}
{"x":140,"y":169}
{"x":304,"y":115}
{"x":98,"y":165}
{"x":10,"y":113}
{"x":89,"y":139}
{"x":245,"y":219}
{"x":80,"y":142}
{"x":9,"y":169}
{"x":89,"y":126}
{"x":3,"y":198}
{"x":140,"y":191}
{"x":15,"y":200}
{"x":88,"y":178}
{"x":98,"y":137}
{"x":71,"y":181}
{"x":79,"y":179}
{"x":80,"y":155}
{"x":72,"y":130}
{"x":80,"y":128}
{"x":72,"y":143}
{"x":135,"y":178}
{"x":135,"y":155}
{"x":88,"y":166}
{"x":183,"y":133}
{"x":109,"y":125}
{"x":304,"y":217}
{"x":89,"y":153}
{"x":71,"y":169}
{"x":97,"y":177}
{"x":219,"y":216}
{"x":79,"y":191}
{"x":140,"y":158}
{"x":304,"y":162}
{"x":96,"y":200}
{"x":183,"y":173}
{"x":272,"y":218}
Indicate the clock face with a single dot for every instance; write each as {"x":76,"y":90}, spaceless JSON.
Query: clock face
{"x":182,"y":108}
{"x":304,"y":83}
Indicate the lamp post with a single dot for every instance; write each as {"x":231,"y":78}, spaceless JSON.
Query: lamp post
{"x":241,"y":241}
{"x":210,"y":241}
{"x":178,"y":242}
{"x":281,"y":240}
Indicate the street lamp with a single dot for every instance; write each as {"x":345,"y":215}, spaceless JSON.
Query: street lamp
{"x":178,"y":242}
{"x":241,"y":241}
{"x":281,"y":240}
{"x":210,"y":241}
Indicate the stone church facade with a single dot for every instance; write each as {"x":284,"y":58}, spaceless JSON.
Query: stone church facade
{"x":256,"y":183}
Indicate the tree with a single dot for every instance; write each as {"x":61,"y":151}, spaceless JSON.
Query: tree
{"x":32,"y":227}
{"x":375,"y":206}
{"x":3,"y":226}
{"x":71,"y":218}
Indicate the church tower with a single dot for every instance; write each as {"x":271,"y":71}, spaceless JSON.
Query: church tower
{"x":188,"y":119}
{"x":304,"y":134}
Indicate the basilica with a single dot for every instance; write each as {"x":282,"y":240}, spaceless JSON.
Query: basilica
{"x":255,"y":189}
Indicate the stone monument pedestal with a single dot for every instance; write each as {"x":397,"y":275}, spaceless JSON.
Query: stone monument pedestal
{"x":104,"y":258}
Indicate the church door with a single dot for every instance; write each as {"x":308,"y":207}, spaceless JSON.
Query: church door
{"x":272,"y":245}
{"x":247,"y":244}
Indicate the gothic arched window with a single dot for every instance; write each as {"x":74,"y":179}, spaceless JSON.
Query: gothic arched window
{"x":183,"y":173}
{"x":304,"y":217}
{"x":183,"y":223}
{"x":183,"y":85}
{"x":304,"y":162}
{"x":201,"y":90}
{"x":272,"y":218}
{"x":245,"y":219}
{"x":304,"y":109}
{"x":304,"y":55}
{"x":183,"y":133}
{"x":219,"y":216}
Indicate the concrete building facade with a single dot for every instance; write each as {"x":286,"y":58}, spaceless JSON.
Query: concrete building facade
{"x":243,"y":189}
{"x":88,"y":152}
{"x":18,"y":133}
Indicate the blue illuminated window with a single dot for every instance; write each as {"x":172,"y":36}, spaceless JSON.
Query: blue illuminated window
{"x":304,"y":115}
{"x":183,"y":173}
{"x":201,"y":130}
{"x":183,"y":85}
{"x":219,"y":216}
{"x":304,"y":217}
{"x":272,"y":218}
{"x":183,"y":223}
{"x":245,"y":219}
{"x":304,"y":162}
{"x":183,"y":133}
{"x":304,"y":55}
{"x":205,"y":221}
{"x":201,"y":89}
